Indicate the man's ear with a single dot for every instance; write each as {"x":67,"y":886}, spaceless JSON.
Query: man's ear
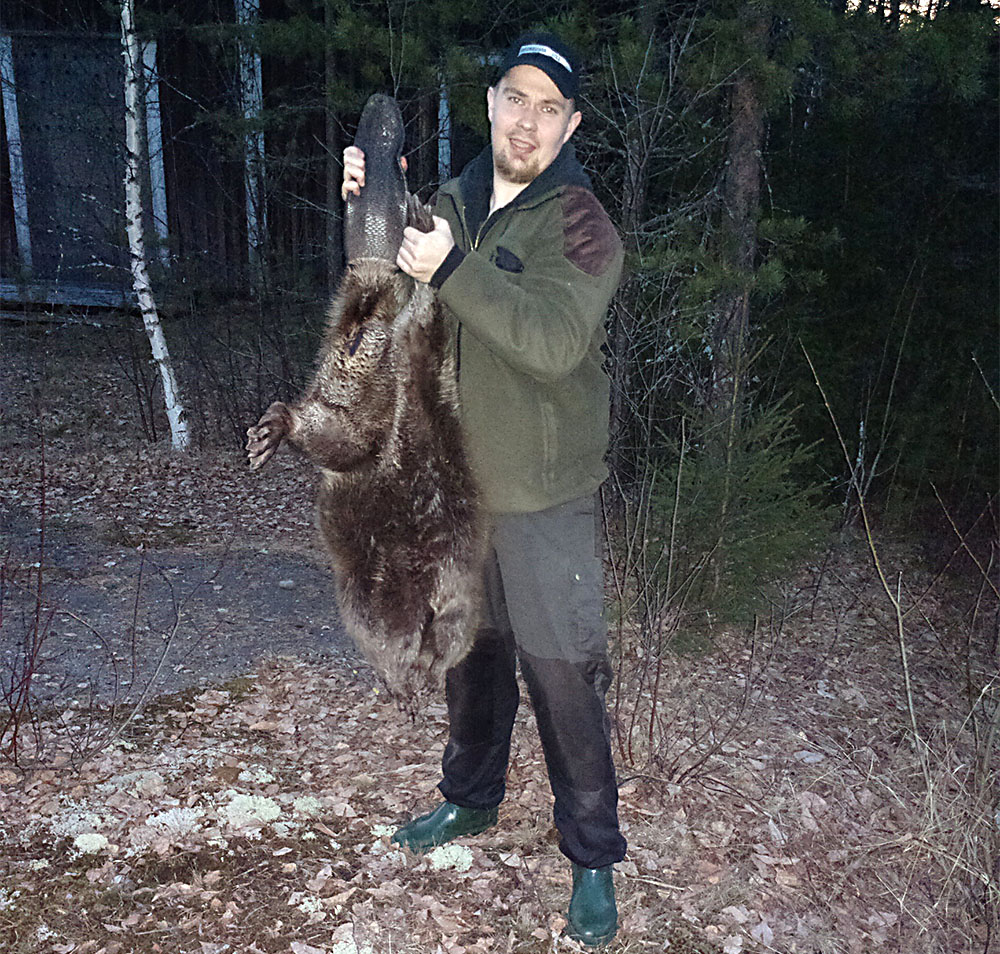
{"x":490,"y":96}
{"x":574,"y":121}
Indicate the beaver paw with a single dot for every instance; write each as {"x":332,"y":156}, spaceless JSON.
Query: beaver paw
{"x":264,"y":438}
{"x":418,"y":215}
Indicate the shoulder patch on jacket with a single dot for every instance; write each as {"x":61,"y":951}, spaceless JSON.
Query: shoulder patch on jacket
{"x":506,"y":260}
{"x":590,"y":241}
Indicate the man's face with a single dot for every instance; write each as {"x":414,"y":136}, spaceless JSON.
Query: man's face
{"x":529,"y":122}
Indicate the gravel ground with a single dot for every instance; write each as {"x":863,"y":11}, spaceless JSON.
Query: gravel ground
{"x":115,"y":618}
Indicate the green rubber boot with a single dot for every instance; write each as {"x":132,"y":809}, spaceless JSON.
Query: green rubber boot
{"x":440,"y":826}
{"x":593,"y":916}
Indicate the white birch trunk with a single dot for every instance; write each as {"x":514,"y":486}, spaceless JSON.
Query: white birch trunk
{"x":252,"y":102}
{"x":444,"y":132}
{"x":18,"y":189}
{"x":154,"y":149}
{"x":179,"y":435}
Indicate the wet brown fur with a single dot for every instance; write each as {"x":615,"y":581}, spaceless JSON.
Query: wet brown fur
{"x":396,"y":506}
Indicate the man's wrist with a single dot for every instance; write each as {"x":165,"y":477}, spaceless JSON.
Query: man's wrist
{"x":452,"y":260}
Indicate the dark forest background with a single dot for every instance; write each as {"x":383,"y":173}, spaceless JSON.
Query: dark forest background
{"x":807,"y":191}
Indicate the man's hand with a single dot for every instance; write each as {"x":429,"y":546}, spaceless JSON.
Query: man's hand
{"x":422,"y":253}
{"x":354,"y":172}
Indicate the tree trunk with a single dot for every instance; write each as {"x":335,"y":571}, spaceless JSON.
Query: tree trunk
{"x":741,"y":200}
{"x":427,"y":132}
{"x":179,"y":434}
{"x":625,"y":309}
{"x":731,"y":332}
{"x":251,"y":100}
{"x":444,"y":132}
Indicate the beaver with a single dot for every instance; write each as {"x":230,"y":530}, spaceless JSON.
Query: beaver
{"x":396,"y":507}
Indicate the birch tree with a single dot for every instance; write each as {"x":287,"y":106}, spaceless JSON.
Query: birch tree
{"x":180,"y":437}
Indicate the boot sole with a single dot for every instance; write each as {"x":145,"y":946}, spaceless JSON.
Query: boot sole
{"x":424,"y":847}
{"x":592,"y":942}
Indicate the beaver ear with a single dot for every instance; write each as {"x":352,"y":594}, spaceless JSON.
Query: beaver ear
{"x":418,"y":215}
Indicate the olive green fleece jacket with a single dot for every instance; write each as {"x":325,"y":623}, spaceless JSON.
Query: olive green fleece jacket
{"x":529,"y":288}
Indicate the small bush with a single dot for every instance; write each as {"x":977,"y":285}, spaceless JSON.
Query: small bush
{"x":735,"y":515}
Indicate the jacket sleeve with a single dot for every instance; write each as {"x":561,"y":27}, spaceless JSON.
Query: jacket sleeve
{"x":541,"y":321}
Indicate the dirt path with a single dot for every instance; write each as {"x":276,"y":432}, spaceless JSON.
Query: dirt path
{"x":160,"y":570}
{"x":116,"y":620}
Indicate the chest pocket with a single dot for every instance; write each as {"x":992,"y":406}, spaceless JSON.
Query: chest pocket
{"x":506,"y":260}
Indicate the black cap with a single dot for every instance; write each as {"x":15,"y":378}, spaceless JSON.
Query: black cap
{"x":550,"y":54}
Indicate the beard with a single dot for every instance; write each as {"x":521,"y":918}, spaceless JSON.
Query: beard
{"x":517,"y":173}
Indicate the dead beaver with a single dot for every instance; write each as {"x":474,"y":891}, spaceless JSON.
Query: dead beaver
{"x":396,"y":504}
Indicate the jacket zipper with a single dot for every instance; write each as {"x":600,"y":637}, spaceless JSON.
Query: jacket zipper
{"x":479,"y":232}
{"x":475,"y":247}
{"x":458,"y":333}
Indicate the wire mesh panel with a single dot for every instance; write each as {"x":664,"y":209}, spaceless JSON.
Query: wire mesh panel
{"x":70,"y":114}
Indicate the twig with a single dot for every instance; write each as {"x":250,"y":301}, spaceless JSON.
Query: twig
{"x":873,"y":550}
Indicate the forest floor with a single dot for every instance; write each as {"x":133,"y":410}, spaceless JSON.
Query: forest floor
{"x":211,"y":769}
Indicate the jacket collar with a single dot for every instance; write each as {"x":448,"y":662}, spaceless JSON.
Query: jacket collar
{"x":475,"y":184}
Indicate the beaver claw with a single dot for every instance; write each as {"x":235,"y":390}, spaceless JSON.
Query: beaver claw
{"x":418,"y":215}
{"x":264,"y":438}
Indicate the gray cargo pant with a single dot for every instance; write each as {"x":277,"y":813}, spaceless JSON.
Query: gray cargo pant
{"x":544,"y":600}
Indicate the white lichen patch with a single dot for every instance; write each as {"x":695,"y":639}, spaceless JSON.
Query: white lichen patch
{"x":256,"y":775}
{"x":145,"y":784}
{"x":90,"y":843}
{"x":75,"y":819}
{"x":383,"y":831}
{"x":308,"y":805}
{"x":249,"y":811}
{"x":456,"y":857}
{"x":389,"y":855}
{"x":167,"y":827}
{"x":177,"y":821}
{"x":8,"y":898}
{"x":306,"y":903}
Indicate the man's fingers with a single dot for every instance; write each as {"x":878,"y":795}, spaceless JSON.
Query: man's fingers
{"x":354,"y":172}
{"x":354,"y":158}
{"x":404,"y":261}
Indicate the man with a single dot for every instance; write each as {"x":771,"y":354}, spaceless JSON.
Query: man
{"x":525,"y":260}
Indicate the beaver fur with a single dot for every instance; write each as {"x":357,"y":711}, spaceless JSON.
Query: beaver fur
{"x":396,"y":505}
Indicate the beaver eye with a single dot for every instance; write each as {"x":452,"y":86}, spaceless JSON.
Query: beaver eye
{"x":353,"y":346}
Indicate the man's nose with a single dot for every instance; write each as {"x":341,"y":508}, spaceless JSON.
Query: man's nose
{"x":526,"y":119}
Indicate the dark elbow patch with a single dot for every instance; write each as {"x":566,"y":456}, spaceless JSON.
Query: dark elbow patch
{"x":590,"y":241}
